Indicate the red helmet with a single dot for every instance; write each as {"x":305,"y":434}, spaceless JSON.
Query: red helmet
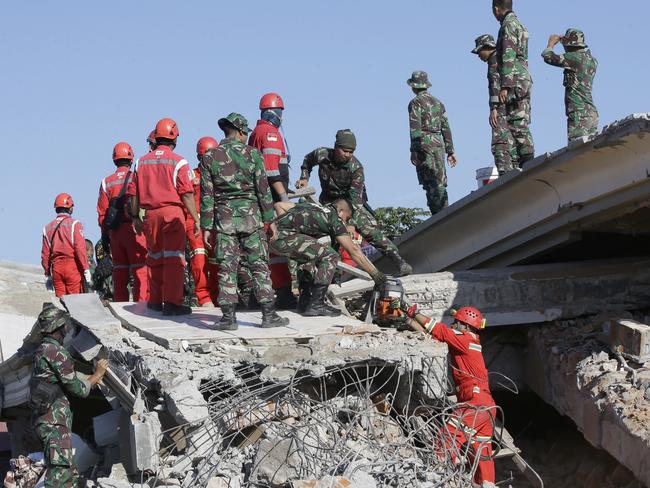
{"x":123,"y":150}
{"x":204,"y":144}
{"x":151,"y":138}
{"x":271,"y":100}
{"x":470,"y":316}
{"x":166,"y":129}
{"x":63,"y":200}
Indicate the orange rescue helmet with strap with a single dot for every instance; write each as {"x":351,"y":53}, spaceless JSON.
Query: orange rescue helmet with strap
{"x":63,"y":200}
{"x":166,"y":129}
{"x":204,"y":144}
{"x":123,"y":150}
{"x":470,"y":316}
{"x":271,"y":100}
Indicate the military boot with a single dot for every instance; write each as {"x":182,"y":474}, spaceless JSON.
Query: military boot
{"x":270,"y":318}
{"x":317,"y":306}
{"x":228,"y":320}
{"x":173,"y":309}
{"x":304,"y":288}
{"x":404,"y":268}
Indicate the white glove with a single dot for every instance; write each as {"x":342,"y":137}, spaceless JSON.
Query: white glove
{"x":88,"y":277}
{"x":49,"y":286}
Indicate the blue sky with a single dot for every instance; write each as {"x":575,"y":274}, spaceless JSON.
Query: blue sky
{"x":79,"y":76}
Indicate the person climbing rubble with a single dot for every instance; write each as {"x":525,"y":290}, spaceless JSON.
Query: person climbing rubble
{"x":472,"y":420}
{"x":53,"y":376}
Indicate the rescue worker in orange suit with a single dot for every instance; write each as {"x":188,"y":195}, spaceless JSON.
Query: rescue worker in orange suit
{"x":162,"y":185}
{"x":63,"y":254}
{"x":266,"y":137}
{"x":199,"y":265}
{"x":128,"y":248}
{"x":473,"y":418}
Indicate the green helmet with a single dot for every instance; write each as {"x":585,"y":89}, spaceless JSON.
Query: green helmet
{"x":419,"y":79}
{"x":52,"y":318}
{"x":235,"y":120}
{"x":486,"y":40}
{"x":574,"y":38}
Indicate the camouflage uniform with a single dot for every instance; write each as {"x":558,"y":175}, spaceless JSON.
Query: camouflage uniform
{"x":236,"y":202}
{"x":579,"y":72}
{"x":299,"y":230}
{"x":512,"y":59}
{"x":53,"y":365}
{"x":430,"y":140}
{"x":346,"y":180}
{"x":503,"y":144}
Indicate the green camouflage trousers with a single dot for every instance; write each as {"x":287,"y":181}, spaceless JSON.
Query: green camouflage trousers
{"x":305,"y":249}
{"x":59,"y":459}
{"x":368,"y":227}
{"x":518,"y":119}
{"x":432,"y":175}
{"x":504,"y":148}
{"x":253,"y":249}
{"x":582,"y":124}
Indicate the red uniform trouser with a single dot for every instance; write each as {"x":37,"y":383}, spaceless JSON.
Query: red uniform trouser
{"x":164,"y":229}
{"x":67,"y":278}
{"x":199,"y":266}
{"x":129,"y":253}
{"x":476,"y":424}
{"x":280,"y":274}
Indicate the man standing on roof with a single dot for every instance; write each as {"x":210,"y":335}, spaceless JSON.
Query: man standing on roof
{"x":63,"y":253}
{"x":514,"y":77}
{"x":128,"y":248}
{"x":503,"y":144}
{"x":267,"y":138}
{"x":162,"y":185}
{"x":430,"y":141}
{"x":579,"y":72}
{"x":341,"y":176}
{"x":53,"y":377}
{"x":473,"y":418}
{"x":236,"y":204}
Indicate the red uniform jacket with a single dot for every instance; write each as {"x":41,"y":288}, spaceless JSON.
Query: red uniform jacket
{"x":67,"y":243}
{"x":110,"y":188}
{"x":469,"y":371}
{"x":160,"y":178}
{"x":267,"y":138}
{"x":196,"y":183}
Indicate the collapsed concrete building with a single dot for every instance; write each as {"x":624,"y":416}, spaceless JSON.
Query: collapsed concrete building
{"x":561,"y":275}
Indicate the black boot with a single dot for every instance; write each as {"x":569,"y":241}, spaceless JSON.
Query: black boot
{"x":404,"y":268}
{"x":270,"y":318}
{"x":317,"y":306}
{"x":305,"y":295}
{"x":228,"y":320}
{"x":285,"y":300}
{"x":156,"y":307}
{"x":173,"y":309}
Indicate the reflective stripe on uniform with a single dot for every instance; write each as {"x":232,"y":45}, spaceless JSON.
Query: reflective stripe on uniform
{"x":171,"y":162}
{"x":165,"y":254}
{"x":74,"y":224}
{"x":127,"y":266}
{"x":284,"y":160}
{"x":197,"y":251}
{"x":179,"y":165}
{"x":272,"y":172}
{"x":475,"y":347}
{"x":272,"y":151}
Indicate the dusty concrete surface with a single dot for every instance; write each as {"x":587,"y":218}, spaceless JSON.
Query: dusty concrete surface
{"x":22,"y":289}
{"x":571,"y":369}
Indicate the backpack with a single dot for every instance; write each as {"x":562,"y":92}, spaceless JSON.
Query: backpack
{"x":115,"y":211}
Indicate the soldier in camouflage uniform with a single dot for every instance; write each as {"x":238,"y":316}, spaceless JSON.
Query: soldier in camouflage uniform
{"x":236,"y":203}
{"x":579,"y":72}
{"x":503,"y":144}
{"x":430,"y":140}
{"x":52,"y":418}
{"x":514,"y":77}
{"x":300,"y":227}
{"x":341,"y":176}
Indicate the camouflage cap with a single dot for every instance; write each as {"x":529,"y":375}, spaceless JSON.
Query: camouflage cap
{"x":234,"y":120}
{"x":52,"y":318}
{"x":486,"y":40}
{"x":419,"y":79}
{"x":346,"y":139}
{"x":574,"y":38}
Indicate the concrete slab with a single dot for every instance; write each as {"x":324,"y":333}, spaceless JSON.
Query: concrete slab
{"x":630,"y":338}
{"x":14,"y":329}
{"x":197,"y":328}
{"x":88,"y":309}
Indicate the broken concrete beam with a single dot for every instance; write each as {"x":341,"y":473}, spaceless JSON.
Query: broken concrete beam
{"x":533,"y":294}
{"x":183,"y":399}
{"x":140,"y":437}
{"x":630,"y":338}
{"x":302,"y":192}
{"x":359,"y":273}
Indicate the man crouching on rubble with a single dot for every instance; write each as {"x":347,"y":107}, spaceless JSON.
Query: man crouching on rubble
{"x":473,"y":418}
{"x":52,"y":418}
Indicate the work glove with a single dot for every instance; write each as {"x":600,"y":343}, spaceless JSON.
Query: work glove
{"x":379,"y":278}
{"x":88,"y":278}
{"x":409,"y":310}
{"x":49,"y":286}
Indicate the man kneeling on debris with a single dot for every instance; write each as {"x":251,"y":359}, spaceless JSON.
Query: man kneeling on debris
{"x":300,"y":230}
{"x":52,"y":417}
{"x":472,"y":420}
